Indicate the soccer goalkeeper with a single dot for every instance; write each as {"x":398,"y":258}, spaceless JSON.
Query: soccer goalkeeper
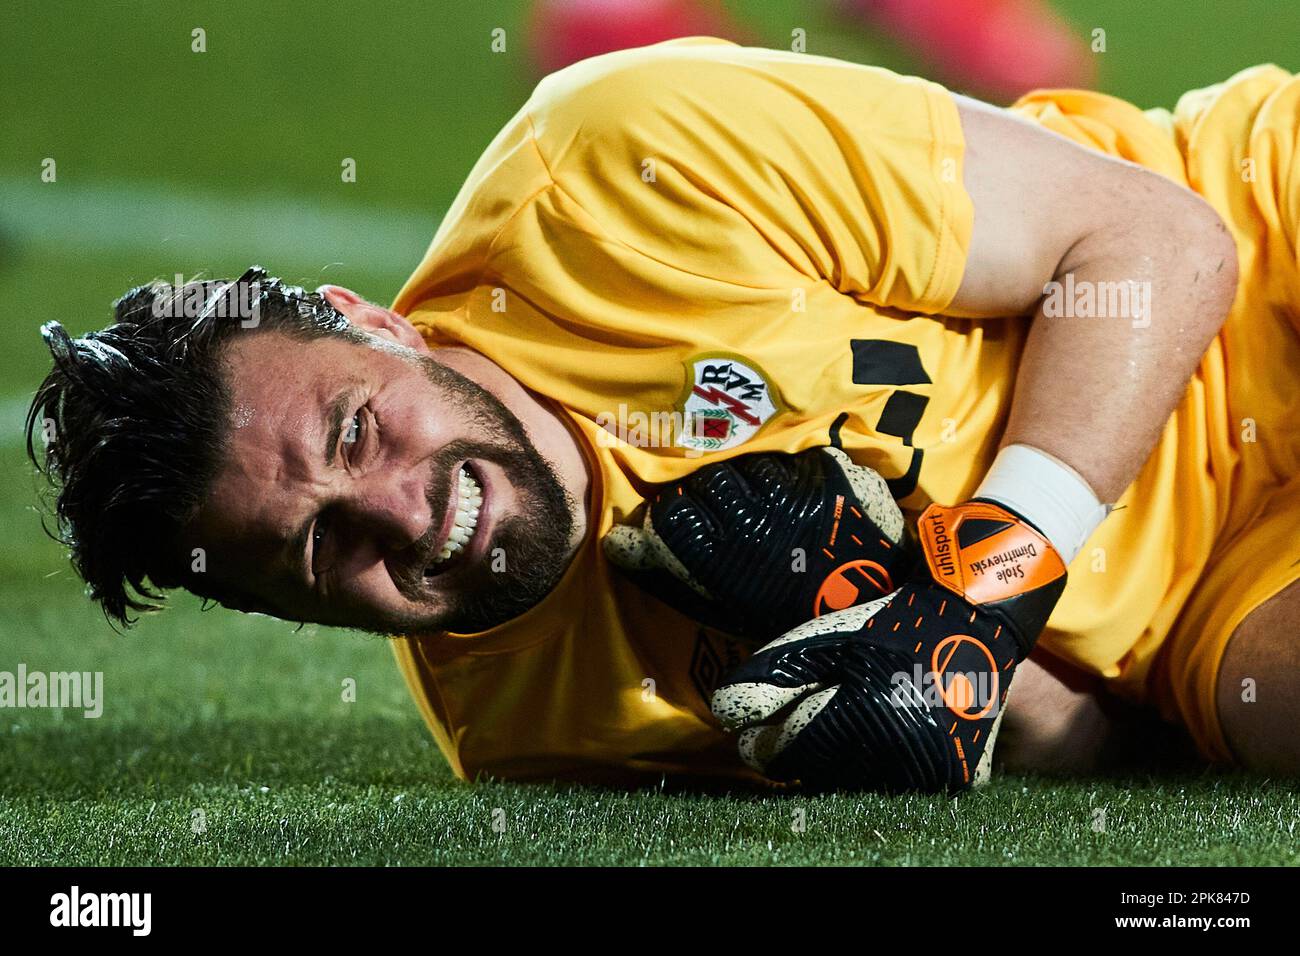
{"x":722,"y":308}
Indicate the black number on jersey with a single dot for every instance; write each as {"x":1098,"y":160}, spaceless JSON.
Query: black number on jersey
{"x":881,"y":362}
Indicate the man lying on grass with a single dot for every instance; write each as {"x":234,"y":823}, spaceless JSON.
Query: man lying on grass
{"x":676,"y":273}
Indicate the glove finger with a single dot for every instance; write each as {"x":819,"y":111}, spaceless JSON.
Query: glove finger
{"x":770,"y":476}
{"x":662,"y":556}
{"x":805,"y":655}
{"x":686,"y":523}
{"x":720,"y":491}
{"x":641,"y":553}
{"x":792,"y":488}
{"x":683,"y":527}
{"x":644,"y":559}
{"x":744,"y":706}
{"x":769,"y":682}
{"x":629,"y":548}
{"x":876,"y":735}
{"x":810,"y":656}
{"x":760,"y":746}
{"x":984,"y":769}
{"x":872,"y":491}
{"x":853,"y":744}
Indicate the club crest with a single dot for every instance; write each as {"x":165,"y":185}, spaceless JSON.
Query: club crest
{"x":726,"y":402}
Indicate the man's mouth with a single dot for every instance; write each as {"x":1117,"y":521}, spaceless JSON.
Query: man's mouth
{"x":468,"y":503}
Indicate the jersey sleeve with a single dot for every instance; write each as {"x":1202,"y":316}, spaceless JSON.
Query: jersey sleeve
{"x":757,"y":166}
{"x":1243,"y":139}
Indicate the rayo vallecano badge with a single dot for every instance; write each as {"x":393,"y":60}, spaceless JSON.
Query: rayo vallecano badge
{"x":726,"y":402}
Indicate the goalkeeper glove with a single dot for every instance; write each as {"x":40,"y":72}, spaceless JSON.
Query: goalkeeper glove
{"x":761,"y":543}
{"x":903,"y":693}
{"x":906,"y":692}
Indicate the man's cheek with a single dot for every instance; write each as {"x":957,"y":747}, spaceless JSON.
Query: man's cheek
{"x":421,"y":420}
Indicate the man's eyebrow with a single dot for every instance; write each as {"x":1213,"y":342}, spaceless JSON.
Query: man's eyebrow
{"x":295,"y":552}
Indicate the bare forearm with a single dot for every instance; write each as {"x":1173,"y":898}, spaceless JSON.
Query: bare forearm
{"x":1114,"y":342}
{"x":1125,"y":276}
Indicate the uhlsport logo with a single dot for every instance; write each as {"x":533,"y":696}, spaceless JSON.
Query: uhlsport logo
{"x":726,"y":404}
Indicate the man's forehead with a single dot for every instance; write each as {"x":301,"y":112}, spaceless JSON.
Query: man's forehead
{"x":247,"y":525}
{"x":269,"y":367}
{"x":246,"y":503}
{"x":279,"y":385}
{"x":273,"y":446}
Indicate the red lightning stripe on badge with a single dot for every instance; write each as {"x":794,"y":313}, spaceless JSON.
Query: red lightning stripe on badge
{"x":738,"y":408}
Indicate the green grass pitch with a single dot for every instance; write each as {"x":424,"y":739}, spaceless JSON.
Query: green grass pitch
{"x":227,"y":739}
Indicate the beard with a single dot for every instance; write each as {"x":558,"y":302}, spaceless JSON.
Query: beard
{"x":529,"y":551}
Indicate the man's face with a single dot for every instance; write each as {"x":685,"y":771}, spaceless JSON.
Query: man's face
{"x":368,"y":485}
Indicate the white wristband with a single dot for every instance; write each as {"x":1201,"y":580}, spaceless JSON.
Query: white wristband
{"x":1048,"y":493}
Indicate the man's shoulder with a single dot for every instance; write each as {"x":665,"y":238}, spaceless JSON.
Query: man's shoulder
{"x":640,"y":95}
{"x":624,"y":71}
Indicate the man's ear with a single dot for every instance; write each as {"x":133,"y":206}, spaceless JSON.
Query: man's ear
{"x":375,"y":319}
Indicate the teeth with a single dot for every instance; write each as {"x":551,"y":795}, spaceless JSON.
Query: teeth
{"x":469,"y":500}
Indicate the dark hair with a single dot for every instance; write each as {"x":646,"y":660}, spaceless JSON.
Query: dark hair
{"x":133,"y":420}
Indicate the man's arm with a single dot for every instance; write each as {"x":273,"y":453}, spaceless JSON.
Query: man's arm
{"x":841,"y":174}
{"x":1092,"y":392}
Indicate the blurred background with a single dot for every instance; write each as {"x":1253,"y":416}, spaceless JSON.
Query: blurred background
{"x":127,"y":155}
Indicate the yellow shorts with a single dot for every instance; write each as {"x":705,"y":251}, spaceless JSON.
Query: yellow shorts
{"x":1237,"y":144}
{"x":1246,"y":570}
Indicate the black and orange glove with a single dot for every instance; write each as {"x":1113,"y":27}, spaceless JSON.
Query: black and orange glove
{"x":903,"y":693}
{"x":760,"y":543}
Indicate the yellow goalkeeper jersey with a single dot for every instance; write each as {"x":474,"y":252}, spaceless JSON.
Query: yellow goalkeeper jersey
{"x":697,"y":250}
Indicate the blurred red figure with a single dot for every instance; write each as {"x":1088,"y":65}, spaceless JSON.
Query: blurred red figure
{"x":565,"y":31}
{"x":1002,"y":48}
{"x":999,"y":48}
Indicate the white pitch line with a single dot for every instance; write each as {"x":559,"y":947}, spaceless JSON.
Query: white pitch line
{"x":13,"y":415}
{"x":185,"y":229}
{"x":183,"y":225}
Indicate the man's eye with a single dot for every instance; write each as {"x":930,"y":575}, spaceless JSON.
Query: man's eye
{"x":318,"y":533}
{"x":352,"y":434}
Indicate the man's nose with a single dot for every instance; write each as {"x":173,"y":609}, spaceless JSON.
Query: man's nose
{"x":394,"y":508}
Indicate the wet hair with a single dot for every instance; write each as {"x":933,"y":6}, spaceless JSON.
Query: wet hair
{"x":132,"y":424}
